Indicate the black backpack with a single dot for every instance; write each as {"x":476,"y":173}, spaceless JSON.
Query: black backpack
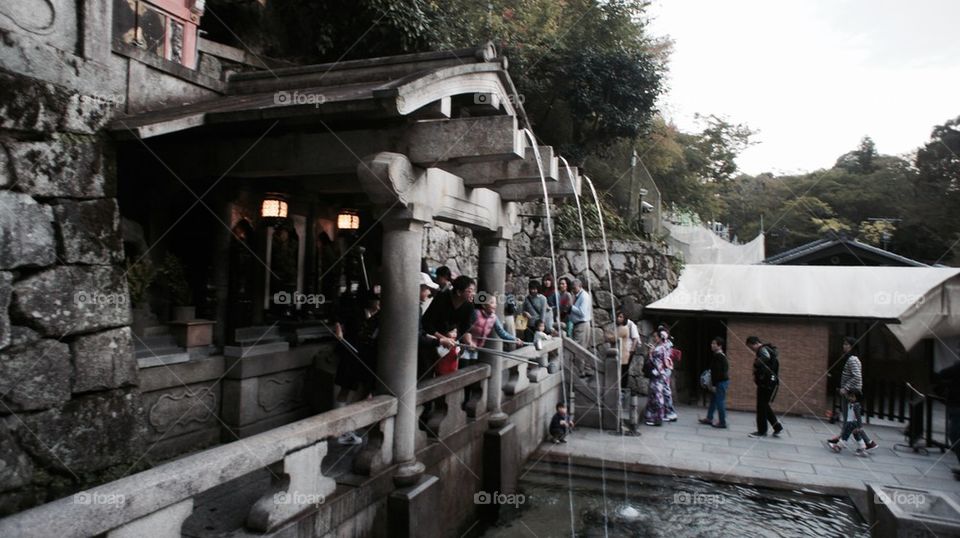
{"x":510,"y":305}
{"x":771,"y":377}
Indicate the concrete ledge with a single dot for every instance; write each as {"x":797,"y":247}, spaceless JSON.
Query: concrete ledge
{"x":258,"y":365}
{"x":160,"y":360}
{"x":545,"y":456}
{"x":185,"y":373}
{"x":245,"y":352}
{"x":149,"y":491}
{"x":231,"y":431}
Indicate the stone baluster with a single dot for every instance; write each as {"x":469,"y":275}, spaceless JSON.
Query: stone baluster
{"x":517,"y":379}
{"x":298,"y":486}
{"x":378,"y":453}
{"x":538,"y":372}
{"x":476,"y":403}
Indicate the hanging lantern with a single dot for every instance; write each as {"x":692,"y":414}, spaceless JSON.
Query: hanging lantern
{"x":273,"y":206}
{"x":348,"y":219}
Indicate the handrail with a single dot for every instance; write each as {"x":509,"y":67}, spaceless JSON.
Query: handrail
{"x":152,"y":490}
{"x":571,"y":345}
{"x":432,"y":389}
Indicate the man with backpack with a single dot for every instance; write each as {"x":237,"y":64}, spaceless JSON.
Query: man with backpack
{"x":766,"y":375}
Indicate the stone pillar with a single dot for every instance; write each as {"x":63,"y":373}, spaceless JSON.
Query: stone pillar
{"x":397,"y":367}
{"x":492,"y":269}
{"x":221,"y":269}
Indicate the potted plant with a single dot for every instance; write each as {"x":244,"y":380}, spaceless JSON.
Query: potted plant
{"x":171,"y":275}
{"x":140,"y":275}
{"x":191,"y":333}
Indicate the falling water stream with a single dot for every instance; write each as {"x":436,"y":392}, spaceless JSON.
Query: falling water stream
{"x":553,"y":262}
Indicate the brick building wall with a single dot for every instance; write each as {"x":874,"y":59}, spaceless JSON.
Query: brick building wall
{"x":804,"y":350}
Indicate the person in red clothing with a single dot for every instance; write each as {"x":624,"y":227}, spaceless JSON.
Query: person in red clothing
{"x":449,"y":356}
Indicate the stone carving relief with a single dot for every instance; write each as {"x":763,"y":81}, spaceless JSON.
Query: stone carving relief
{"x":280,"y":392}
{"x":182,"y":408}
{"x":34,"y":16}
{"x":52,"y":22}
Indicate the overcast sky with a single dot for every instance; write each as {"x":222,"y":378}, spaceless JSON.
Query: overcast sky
{"x":815,"y":76}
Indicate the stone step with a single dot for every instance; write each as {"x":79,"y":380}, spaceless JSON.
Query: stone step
{"x":152,"y":351}
{"x":156,"y":330}
{"x":154,"y":342}
{"x":259,"y":349}
{"x":160,"y":360}
{"x":257,"y":335}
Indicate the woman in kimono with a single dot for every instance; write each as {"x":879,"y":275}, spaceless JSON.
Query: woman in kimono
{"x":655,"y":411}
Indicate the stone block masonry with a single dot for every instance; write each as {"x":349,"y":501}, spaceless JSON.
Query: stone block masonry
{"x":70,"y":411}
{"x":642,"y":272}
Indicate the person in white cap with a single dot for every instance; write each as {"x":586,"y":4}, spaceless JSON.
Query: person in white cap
{"x":427,"y":287}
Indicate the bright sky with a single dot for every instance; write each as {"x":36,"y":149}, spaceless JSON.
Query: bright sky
{"x":815,"y":76}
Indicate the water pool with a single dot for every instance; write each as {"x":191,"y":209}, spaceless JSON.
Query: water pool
{"x":674,"y":508}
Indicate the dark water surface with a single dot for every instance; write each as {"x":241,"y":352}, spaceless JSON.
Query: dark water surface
{"x":675,"y":508}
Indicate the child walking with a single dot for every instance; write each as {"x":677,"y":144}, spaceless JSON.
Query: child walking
{"x":560,"y":424}
{"x":853,"y":425}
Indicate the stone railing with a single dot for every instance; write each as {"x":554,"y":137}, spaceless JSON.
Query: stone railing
{"x":157,"y":501}
{"x":532,"y":365}
{"x":445,"y":403}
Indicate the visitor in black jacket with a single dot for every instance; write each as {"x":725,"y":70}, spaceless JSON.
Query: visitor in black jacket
{"x":766,"y":375}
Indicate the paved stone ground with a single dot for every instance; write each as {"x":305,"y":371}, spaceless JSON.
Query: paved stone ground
{"x":798,"y":459}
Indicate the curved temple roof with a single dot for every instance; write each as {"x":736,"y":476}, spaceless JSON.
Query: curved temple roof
{"x":457,"y":111}
{"x":377,"y":88}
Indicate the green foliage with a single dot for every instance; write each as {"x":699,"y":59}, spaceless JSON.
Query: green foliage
{"x":315,"y":31}
{"x":140,"y":275}
{"x":172,"y":276}
{"x":931,"y":227}
{"x":715,"y":149}
{"x":877,"y":232}
{"x":860,"y":160}
{"x":863,"y":185}
{"x":567,"y":221}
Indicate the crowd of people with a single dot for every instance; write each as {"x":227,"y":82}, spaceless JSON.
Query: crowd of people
{"x":454,"y":323}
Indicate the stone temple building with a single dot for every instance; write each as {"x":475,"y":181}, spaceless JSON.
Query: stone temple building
{"x":177,"y":218}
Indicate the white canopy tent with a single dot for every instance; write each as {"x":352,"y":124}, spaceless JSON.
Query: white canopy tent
{"x":914,"y":302}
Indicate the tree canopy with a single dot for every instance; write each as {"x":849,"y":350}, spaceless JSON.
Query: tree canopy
{"x":905,"y":205}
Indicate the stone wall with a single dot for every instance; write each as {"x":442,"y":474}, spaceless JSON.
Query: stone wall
{"x":71,"y":413}
{"x":642,"y":271}
{"x":453,"y":246}
{"x":69,"y":407}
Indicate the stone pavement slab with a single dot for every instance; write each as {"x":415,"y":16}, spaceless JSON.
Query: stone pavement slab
{"x":798,"y":459}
